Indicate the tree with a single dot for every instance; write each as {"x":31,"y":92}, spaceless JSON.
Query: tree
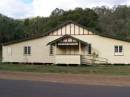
{"x":109,"y":21}
{"x":57,"y":12}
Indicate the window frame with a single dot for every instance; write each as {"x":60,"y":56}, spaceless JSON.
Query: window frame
{"x":51,"y":50}
{"x":89,"y":49}
{"x":27,"y":50}
{"x":118,"y":50}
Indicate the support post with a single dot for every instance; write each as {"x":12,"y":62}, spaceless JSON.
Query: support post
{"x":79,"y":48}
{"x":55,"y":52}
{"x":80,"y":52}
{"x":55,"y":49}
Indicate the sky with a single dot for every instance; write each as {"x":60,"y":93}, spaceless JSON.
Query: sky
{"x":19,"y":9}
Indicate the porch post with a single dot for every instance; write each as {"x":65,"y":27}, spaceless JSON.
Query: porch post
{"x":80,"y":52}
{"x":55,"y":49}
{"x":55,"y":52}
{"x":79,"y":48}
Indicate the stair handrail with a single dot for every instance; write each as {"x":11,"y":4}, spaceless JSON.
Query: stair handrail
{"x":106,"y":60}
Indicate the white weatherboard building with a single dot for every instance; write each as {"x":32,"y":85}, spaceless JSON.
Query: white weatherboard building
{"x":69,"y":43}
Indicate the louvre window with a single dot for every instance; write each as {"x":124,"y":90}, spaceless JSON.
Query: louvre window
{"x":118,"y":50}
{"x":27,"y":50}
{"x":89,"y":49}
{"x":51,"y":50}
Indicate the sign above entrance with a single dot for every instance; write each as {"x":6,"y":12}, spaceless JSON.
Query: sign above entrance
{"x":67,"y":43}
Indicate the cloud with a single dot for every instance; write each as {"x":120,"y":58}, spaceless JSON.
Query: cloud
{"x":16,"y":8}
{"x":45,"y":7}
{"x":30,"y":8}
{"x":94,"y":3}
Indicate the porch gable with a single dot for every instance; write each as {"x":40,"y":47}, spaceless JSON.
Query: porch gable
{"x":67,"y":40}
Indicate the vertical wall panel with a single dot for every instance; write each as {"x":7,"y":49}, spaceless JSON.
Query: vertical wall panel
{"x":68,"y":29}
{"x":90,"y":32}
{"x":86,"y":32}
{"x":63,"y":30}
{"x":76,"y":29}
{"x":72,"y":29}
{"x":59,"y":31}
{"x":55,"y":32}
{"x":81,"y":31}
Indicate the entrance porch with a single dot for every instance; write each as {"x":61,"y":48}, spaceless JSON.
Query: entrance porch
{"x":69,"y":50}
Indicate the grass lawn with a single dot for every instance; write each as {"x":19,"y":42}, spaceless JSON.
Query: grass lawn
{"x":104,"y":70}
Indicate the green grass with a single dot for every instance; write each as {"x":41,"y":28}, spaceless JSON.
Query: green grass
{"x":104,"y":70}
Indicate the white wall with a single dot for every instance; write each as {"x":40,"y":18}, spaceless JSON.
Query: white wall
{"x":40,"y":51}
{"x":105,"y":48}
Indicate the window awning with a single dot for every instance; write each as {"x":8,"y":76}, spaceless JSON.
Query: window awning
{"x":67,"y":40}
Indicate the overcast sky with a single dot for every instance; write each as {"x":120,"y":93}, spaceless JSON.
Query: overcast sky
{"x":31,"y":8}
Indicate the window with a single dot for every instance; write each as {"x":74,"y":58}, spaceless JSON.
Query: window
{"x":89,"y":49}
{"x":27,"y":50}
{"x":118,"y":50}
{"x":51,"y":50}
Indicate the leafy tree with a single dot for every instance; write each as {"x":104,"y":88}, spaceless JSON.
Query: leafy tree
{"x":109,"y":21}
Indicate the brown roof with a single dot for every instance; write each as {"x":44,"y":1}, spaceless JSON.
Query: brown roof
{"x":68,"y":22}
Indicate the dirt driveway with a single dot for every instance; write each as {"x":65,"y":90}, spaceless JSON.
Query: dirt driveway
{"x":69,"y":78}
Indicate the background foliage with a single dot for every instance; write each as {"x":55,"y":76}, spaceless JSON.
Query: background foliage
{"x":114,"y":22}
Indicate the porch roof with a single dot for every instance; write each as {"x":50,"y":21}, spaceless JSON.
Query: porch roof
{"x":66,"y":36}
